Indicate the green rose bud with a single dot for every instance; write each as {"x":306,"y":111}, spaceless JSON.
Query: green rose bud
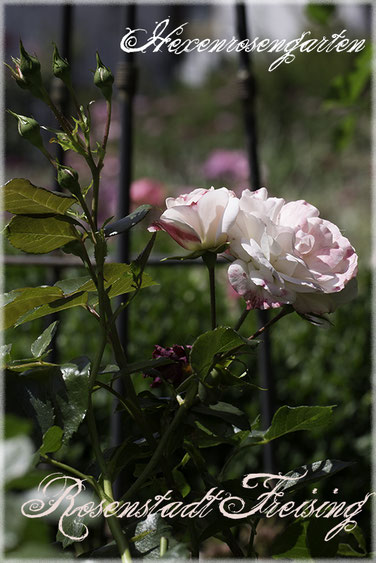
{"x":29,"y":129}
{"x":67,"y":178}
{"x":103,"y":79}
{"x":30,"y":68}
{"x":61,"y":67}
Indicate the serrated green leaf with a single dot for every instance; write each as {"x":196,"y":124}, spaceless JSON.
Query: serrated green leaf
{"x":212,"y":346}
{"x":69,"y":293}
{"x":21,"y":197}
{"x":74,"y":405}
{"x":52,"y":440}
{"x":39,"y":235}
{"x":18,"y":302}
{"x":59,"y":395}
{"x":40,"y":345}
{"x":123,"y":225}
{"x":117,"y":277}
{"x":44,"y":412}
{"x":76,"y":300}
{"x":292,"y":419}
{"x":119,"y":280}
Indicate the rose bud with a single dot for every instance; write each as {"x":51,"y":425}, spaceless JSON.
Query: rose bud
{"x":61,"y":68}
{"x":67,"y":178}
{"x":30,"y":68}
{"x":103,"y":79}
{"x":29,"y":129}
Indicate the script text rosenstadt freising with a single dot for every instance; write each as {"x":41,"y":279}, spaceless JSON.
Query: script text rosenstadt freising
{"x":59,"y":490}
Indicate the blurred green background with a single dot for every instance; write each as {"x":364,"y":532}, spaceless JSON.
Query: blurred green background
{"x":314,"y":143}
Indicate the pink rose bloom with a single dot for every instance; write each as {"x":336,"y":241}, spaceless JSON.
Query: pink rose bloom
{"x":284,"y":253}
{"x":147,"y":190}
{"x":231,"y":164}
{"x":200,"y":219}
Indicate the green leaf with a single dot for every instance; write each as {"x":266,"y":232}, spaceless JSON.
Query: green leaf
{"x":123,"y":225}
{"x":345,"y":550}
{"x":21,"y":197}
{"x":75,"y":300}
{"x":20,"y":301}
{"x":5,"y":351}
{"x":315,"y":472}
{"x":148,"y":546}
{"x":39,"y":236}
{"x":139,"y":264}
{"x":346,"y":89}
{"x":118,"y":278}
{"x":74,"y":526}
{"x":44,"y":412}
{"x":73,"y":405}
{"x":58,"y":395}
{"x":316,"y":532}
{"x":320,"y":13}
{"x":181,"y":483}
{"x":226,"y":412}
{"x":291,"y":543}
{"x":23,"y":305}
{"x":292,"y":419}
{"x":52,"y":440}
{"x":43,"y":341}
{"x":213,"y":346}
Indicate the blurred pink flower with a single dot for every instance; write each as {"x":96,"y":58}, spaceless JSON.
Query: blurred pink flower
{"x":108,"y":197}
{"x":229,"y":164}
{"x":147,"y":190}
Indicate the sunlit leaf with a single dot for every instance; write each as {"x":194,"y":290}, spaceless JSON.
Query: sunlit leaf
{"x":52,"y":440}
{"x":18,"y":302}
{"x":39,"y":235}
{"x":21,"y":197}
{"x":40,"y":345}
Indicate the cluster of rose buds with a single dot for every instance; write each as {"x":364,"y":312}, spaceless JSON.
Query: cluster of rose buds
{"x":281,"y":253}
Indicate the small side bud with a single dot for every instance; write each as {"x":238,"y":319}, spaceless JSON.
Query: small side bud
{"x":61,"y":68}
{"x":103,"y":79}
{"x":67,"y":179}
{"x":29,"y":129}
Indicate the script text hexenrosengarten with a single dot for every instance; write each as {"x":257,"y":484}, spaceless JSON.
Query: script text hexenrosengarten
{"x":137,"y":41}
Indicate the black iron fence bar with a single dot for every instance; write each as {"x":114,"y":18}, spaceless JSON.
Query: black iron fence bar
{"x":126,"y":83}
{"x":59,"y":95}
{"x":248,"y":94}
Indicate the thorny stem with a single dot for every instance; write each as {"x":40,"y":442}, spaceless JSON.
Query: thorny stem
{"x":286,"y":310}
